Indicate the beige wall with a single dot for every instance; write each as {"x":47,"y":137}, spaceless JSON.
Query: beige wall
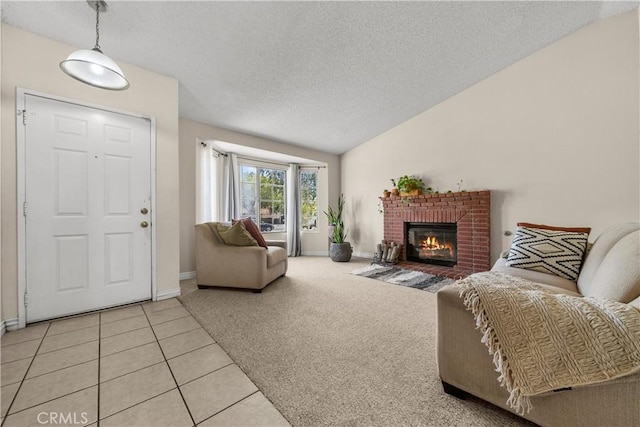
{"x":191,"y":132}
{"x":31,"y":62}
{"x":554,"y":136}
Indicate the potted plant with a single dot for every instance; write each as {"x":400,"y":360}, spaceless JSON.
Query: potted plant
{"x":394,"y":190}
{"x":410,"y":185}
{"x":340,"y":250}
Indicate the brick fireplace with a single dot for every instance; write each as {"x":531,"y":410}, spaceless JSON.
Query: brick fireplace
{"x":469,"y":211}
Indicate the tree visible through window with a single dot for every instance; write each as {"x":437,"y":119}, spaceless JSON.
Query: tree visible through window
{"x":262,"y":196}
{"x":309,"y":194}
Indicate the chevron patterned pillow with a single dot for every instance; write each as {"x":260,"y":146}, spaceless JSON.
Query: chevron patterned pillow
{"x":549,"y":251}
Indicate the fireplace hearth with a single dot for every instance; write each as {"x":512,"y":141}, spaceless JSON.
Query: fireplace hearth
{"x":432,"y":243}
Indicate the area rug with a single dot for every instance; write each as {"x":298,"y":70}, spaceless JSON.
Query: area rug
{"x":404,"y":277}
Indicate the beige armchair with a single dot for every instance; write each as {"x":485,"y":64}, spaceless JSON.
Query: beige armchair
{"x":248,"y":267}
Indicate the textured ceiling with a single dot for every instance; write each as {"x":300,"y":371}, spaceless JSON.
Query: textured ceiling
{"x":325,"y":75}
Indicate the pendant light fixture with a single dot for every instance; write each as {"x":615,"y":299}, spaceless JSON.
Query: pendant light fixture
{"x":93,"y":67}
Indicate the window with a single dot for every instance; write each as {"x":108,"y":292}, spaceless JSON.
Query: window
{"x":309,"y":194}
{"x":262,"y":196}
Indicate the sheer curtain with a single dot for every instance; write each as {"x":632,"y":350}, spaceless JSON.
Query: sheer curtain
{"x":231,"y":189}
{"x":210,"y":179}
{"x":207,"y":183}
{"x":294,"y":215}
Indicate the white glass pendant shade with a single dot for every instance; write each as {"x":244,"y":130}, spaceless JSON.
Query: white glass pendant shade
{"x":93,"y":67}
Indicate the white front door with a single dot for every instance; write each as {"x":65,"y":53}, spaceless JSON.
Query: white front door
{"x":87,"y":211}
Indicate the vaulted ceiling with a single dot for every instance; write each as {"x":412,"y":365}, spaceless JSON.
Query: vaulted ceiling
{"x":324,"y":75}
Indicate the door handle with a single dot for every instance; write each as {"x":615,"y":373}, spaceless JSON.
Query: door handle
{"x":144,"y":224}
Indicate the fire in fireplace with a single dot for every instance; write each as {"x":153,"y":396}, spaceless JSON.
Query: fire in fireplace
{"x":431,"y":243}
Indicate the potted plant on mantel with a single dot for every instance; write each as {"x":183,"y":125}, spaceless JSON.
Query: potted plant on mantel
{"x":410,"y":185}
{"x":340,"y":250}
{"x":394,"y":189}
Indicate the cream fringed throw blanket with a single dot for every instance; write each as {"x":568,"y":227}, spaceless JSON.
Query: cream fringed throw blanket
{"x":541,"y":341}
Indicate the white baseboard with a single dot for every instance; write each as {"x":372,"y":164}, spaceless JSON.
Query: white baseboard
{"x":315,"y":253}
{"x":169,"y":293}
{"x":363,"y":254}
{"x":9,"y":325}
{"x":187,"y":275}
{"x":326,"y":253}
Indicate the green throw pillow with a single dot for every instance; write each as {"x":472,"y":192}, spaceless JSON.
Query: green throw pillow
{"x":236,"y":235}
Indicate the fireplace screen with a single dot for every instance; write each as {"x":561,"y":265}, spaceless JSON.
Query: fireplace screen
{"x":432,"y":243}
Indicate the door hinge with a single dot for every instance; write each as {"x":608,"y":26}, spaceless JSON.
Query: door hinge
{"x":24,"y":208}
{"x":23,"y":113}
{"x":26,"y":299}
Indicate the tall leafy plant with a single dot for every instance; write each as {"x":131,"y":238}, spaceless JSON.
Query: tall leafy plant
{"x":335,"y":219}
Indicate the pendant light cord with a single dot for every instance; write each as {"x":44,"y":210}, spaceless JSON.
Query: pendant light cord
{"x":97,"y":26}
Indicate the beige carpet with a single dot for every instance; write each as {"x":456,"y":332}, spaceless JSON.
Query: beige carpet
{"x":332,"y":349}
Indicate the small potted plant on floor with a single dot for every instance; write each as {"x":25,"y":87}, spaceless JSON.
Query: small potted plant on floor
{"x":340,"y":250}
{"x":410,"y":185}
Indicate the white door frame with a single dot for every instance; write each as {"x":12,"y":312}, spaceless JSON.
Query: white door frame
{"x":21,"y":189}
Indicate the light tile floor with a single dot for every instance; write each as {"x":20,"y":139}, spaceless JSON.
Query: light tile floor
{"x":147,"y":364}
